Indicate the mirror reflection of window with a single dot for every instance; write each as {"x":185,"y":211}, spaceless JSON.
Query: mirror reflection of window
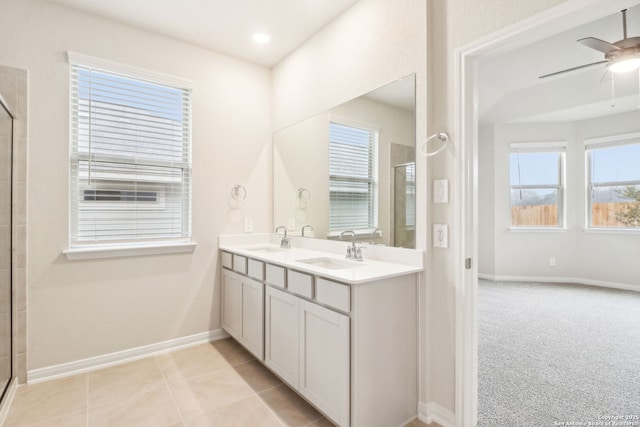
{"x":353,"y":171}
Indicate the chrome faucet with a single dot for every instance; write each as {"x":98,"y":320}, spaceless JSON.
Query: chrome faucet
{"x":306,"y":226}
{"x":353,"y":252}
{"x":285,"y":242}
{"x":373,"y":235}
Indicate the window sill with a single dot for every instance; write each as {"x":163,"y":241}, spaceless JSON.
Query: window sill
{"x":612,"y":230}
{"x":102,"y":252}
{"x":359,"y":234}
{"x":538,"y":229}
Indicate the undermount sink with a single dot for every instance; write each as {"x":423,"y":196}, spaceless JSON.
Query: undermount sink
{"x":330,"y":263}
{"x":265,"y":249}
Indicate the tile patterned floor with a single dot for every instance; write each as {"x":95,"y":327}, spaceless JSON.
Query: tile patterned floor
{"x":215,"y":384}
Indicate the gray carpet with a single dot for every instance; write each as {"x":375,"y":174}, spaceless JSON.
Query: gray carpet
{"x":556,"y":354}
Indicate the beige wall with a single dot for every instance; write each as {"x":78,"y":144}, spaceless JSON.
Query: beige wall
{"x":82,"y":309}
{"x":453,"y":24}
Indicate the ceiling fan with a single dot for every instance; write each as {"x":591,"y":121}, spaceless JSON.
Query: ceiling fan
{"x":621,"y":56}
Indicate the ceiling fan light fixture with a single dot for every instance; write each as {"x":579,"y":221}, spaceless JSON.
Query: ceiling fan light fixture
{"x":624,"y":64}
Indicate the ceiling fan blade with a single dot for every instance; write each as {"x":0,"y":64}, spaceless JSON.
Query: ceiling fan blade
{"x":573,"y":69}
{"x":599,"y":45}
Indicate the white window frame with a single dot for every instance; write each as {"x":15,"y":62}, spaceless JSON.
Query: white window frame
{"x":126,"y":247}
{"x":560,"y":148}
{"x":599,"y":143}
{"x":373,"y":224}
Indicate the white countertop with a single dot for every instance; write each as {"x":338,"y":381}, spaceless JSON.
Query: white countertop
{"x":264,"y":249}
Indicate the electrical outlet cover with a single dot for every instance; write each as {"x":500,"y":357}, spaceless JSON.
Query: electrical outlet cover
{"x":440,"y":236}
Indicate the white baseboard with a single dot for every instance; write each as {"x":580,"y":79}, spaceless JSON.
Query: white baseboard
{"x":8,"y":400}
{"x":572,"y":280}
{"x":111,"y":359}
{"x":432,"y":412}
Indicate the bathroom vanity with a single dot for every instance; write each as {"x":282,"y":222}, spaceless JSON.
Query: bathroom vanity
{"x":342,"y":333}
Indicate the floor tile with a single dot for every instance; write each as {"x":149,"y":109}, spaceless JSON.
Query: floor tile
{"x":76,"y":419}
{"x":209,"y":392}
{"x":190,"y":362}
{"x":233,"y":352}
{"x":51,"y":399}
{"x":257,"y":375}
{"x":418,"y":423}
{"x":321,"y":422}
{"x":289,"y":407}
{"x":107,"y":385}
{"x":250,"y":412}
{"x":151,"y":409}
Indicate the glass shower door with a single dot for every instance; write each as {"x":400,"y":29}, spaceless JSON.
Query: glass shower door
{"x":6,"y":137}
{"x":404,"y":200}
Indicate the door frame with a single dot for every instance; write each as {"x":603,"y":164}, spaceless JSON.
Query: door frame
{"x":569,"y":14}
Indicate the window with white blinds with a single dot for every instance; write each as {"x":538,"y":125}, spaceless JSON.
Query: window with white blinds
{"x":353,"y":171}
{"x":130,"y":157}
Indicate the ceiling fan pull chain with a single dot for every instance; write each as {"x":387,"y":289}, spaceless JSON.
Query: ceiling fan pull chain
{"x":613,"y":90}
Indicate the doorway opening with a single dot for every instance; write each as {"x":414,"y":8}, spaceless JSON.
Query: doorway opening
{"x":469,"y":59}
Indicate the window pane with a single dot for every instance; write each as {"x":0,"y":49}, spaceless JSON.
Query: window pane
{"x":131,"y":161}
{"x":534,"y":208}
{"x":615,"y":164}
{"x":534,"y":168}
{"x":616,"y":206}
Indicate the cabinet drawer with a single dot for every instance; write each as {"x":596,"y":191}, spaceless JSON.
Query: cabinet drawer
{"x":300,"y":283}
{"x":240,"y":264}
{"x":255,"y":269}
{"x":275,"y":275}
{"x":333,"y":294}
{"x":227,"y":260}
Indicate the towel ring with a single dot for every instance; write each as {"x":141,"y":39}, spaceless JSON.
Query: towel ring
{"x":442,"y":137}
{"x":238,"y":192}
{"x":304,"y":195}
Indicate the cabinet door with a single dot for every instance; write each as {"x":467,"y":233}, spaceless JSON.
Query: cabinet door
{"x":252,"y":316}
{"x":324,"y":360}
{"x":281,"y":334}
{"x":232,"y":303}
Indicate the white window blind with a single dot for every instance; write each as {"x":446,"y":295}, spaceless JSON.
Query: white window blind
{"x":353,"y":170}
{"x":130,"y":158}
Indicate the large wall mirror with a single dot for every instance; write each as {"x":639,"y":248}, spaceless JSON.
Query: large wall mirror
{"x":351,"y":168}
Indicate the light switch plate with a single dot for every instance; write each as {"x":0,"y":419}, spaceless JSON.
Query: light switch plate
{"x":440,"y":191}
{"x":440,"y":236}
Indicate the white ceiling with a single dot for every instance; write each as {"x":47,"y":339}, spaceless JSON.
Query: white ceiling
{"x":510,"y":90}
{"x":225,"y":26}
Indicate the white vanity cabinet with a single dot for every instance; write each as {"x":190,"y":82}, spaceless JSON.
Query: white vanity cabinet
{"x":281,"y":334}
{"x":243,"y":310}
{"x":324,"y":360}
{"x":348,"y":349}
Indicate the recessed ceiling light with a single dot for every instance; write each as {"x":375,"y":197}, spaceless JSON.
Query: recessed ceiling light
{"x":261,"y":38}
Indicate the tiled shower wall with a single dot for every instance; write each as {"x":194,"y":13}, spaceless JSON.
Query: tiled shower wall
{"x":13,"y":87}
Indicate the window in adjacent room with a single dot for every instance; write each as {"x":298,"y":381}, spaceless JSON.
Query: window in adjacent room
{"x":130,"y":156}
{"x":613,"y":188}
{"x":353,"y":171}
{"x":537,"y":184}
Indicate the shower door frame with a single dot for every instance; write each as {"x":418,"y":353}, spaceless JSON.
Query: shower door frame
{"x":5,"y":107}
